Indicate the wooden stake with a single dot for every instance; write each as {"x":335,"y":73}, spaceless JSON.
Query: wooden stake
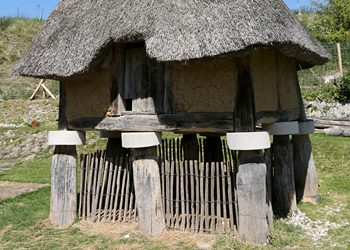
{"x":340,"y":60}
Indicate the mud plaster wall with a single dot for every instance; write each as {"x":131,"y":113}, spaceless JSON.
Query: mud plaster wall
{"x":206,"y":85}
{"x":263,"y":70}
{"x":287,"y":83}
{"x":88,"y":96}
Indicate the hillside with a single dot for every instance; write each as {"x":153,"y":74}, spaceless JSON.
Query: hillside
{"x":15,"y":36}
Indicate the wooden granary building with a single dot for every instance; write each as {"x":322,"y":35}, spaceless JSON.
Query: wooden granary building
{"x":135,"y":69}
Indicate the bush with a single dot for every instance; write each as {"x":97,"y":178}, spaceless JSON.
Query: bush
{"x":5,"y":22}
{"x":343,"y":93}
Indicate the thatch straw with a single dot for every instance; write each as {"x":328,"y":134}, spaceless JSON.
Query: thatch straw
{"x":173,"y":30}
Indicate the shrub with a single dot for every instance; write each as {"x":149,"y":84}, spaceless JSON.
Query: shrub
{"x":5,"y":22}
{"x":343,"y":93}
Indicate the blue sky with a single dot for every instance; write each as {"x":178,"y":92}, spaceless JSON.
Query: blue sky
{"x":33,"y":8}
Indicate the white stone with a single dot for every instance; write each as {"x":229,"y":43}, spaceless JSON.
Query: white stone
{"x":248,"y":140}
{"x":281,"y":128}
{"x":110,"y":134}
{"x":141,"y":139}
{"x":65,"y":137}
{"x":307,"y":127}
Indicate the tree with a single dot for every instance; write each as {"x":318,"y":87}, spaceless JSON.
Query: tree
{"x":333,"y":19}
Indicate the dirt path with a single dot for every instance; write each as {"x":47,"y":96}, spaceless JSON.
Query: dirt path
{"x":12,"y":189}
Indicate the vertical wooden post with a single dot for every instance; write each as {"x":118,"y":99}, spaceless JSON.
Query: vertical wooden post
{"x":284,"y":199}
{"x":213,"y":149}
{"x":190,"y":147}
{"x":147,"y":190}
{"x":251,"y":176}
{"x":63,"y":185}
{"x":306,"y":183}
{"x":340,"y":60}
{"x":63,"y":175}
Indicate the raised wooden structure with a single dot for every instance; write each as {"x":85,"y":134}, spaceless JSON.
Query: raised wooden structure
{"x":140,"y":67}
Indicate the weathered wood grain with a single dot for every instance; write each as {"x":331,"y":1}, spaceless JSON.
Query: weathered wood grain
{"x":305,"y":176}
{"x":284,"y":197}
{"x":148,"y":191}
{"x":63,"y":185}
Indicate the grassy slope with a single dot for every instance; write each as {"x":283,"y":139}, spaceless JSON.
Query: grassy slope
{"x":14,"y":40}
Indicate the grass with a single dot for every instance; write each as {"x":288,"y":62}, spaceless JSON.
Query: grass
{"x":24,"y":219}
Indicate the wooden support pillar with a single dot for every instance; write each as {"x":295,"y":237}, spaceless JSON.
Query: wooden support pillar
{"x":147,"y":190}
{"x":190,"y":147}
{"x":63,"y":185}
{"x":213,"y":149}
{"x":306,"y":183}
{"x":269,"y":195}
{"x":114,"y":147}
{"x":63,"y":174}
{"x":251,"y":176}
{"x":284,"y":199}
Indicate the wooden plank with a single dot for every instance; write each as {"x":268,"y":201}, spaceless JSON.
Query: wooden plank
{"x":81,"y":209}
{"x":147,"y":190}
{"x":218,"y":199}
{"x":187,"y":197}
{"x":108,"y":192}
{"x":196,"y":225}
{"x":223,"y":183}
{"x":212,"y":199}
{"x":206,"y":201}
{"x":193,"y":123}
{"x":127,"y":193}
{"x":167,"y":192}
{"x":162,"y":157}
{"x":283,"y":183}
{"x":113,"y":194}
{"x":202,"y":199}
{"x":171,"y":190}
{"x":96,"y":158}
{"x":177,"y":192}
{"x":118,"y":184}
{"x":183,"y":211}
{"x":122,"y":192}
{"x":192,"y":196}
{"x":102,"y":192}
{"x":230,"y":200}
{"x":94,"y":164}
{"x":90,"y":163}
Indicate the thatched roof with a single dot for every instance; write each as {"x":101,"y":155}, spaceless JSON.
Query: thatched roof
{"x":173,"y":30}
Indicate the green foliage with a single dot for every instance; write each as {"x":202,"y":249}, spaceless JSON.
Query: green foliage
{"x":343,"y":94}
{"x":5,"y":22}
{"x":333,"y":20}
{"x":324,"y":92}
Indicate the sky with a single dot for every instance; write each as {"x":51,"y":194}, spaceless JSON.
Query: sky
{"x":33,"y":8}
